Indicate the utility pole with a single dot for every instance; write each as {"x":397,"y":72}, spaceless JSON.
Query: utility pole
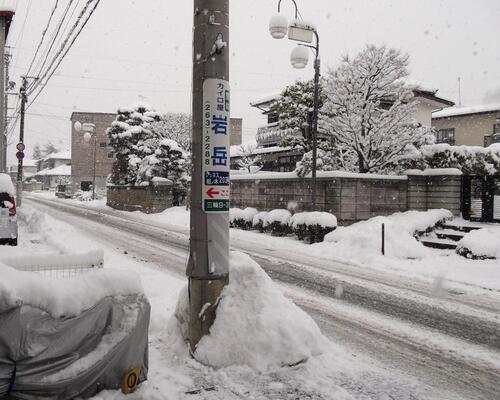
{"x":208,"y":267}
{"x":6,"y":103}
{"x":24,"y":99}
{"x":6,"y":14}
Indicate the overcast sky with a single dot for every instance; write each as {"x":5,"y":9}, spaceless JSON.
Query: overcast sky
{"x":140,"y":50}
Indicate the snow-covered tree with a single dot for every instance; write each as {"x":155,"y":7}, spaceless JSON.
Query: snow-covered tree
{"x":370,"y":112}
{"x":131,"y":136}
{"x":249,"y":161}
{"x":168,"y":160}
{"x":177,"y":127}
{"x":294,"y":109}
{"x":37,"y":152}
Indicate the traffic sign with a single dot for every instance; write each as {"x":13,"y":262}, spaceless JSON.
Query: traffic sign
{"x":19,"y":155}
{"x":20,"y":146}
{"x":216,"y":134}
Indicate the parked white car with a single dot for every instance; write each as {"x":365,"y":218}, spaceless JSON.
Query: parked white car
{"x":8,"y":217}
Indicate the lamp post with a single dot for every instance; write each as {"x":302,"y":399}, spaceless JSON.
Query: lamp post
{"x":89,"y":132}
{"x":301,"y":31}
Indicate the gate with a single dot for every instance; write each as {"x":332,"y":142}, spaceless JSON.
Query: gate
{"x":481,"y":198}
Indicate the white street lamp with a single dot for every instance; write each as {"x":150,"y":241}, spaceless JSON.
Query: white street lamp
{"x":304,"y":32}
{"x":299,"y":57}
{"x":278,"y":26}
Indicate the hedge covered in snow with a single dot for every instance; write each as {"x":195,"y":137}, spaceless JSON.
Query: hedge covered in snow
{"x":312,"y":226}
{"x":471,"y":160}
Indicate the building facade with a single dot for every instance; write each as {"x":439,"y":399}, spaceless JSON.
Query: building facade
{"x":470,"y":126}
{"x":84,"y":153}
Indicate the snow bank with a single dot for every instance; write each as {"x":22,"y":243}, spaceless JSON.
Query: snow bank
{"x":364,"y":238}
{"x":6,"y":185}
{"x":64,"y":297}
{"x":257,"y":325}
{"x":324,"y":219}
{"x":481,"y":243}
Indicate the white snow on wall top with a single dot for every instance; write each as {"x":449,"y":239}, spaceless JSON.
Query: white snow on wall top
{"x":319,"y":174}
{"x":454,"y":111}
{"x":62,"y":155}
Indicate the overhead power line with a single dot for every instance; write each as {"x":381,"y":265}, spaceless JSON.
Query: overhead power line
{"x":43,"y":35}
{"x":65,"y":47}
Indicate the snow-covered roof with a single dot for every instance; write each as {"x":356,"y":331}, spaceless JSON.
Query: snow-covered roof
{"x":30,"y":163}
{"x":236,"y":151}
{"x":266,"y":99}
{"x":455,"y":111}
{"x":61,"y":170}
{"x":62,"y":155}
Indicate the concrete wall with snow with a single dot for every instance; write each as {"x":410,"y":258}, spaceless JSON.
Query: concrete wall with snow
{"x":351,"y":197}
{"x":148,"y":199}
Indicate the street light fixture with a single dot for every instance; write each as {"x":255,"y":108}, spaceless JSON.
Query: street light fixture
{"x":89,"y":132}
{"x":304,"y":32}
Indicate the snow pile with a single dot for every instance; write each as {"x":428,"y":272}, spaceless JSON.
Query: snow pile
{"x":67,"y":297}
{"x":323,"y":219}
{"x":6,"y":185}
{"x":279,"y":216}
{"x":481,"y":244}
{"x":257,"y":325}
{"x":364,"y":238}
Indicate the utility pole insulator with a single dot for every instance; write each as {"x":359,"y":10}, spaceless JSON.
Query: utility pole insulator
{"x":208,"y":267}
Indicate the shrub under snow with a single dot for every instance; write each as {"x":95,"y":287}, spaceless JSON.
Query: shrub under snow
{"x":314,"y":225}
{"x":480,"y":244}
{"x":259,"y":220}
{"x":256,"y":324}
{"x":243,"y":219}
{"x":400,"y":231}
{"x":276,"y":221}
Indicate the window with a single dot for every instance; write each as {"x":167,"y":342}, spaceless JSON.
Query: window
{"x":446,"y":136}
{"x":103,"y":144}
{"x":86,"y":186}
{"x":111,"y":154}
{"x":272,"y":117}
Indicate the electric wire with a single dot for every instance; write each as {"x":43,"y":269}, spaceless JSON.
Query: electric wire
{"x":65,"y":47}
{"x":43,"y":35}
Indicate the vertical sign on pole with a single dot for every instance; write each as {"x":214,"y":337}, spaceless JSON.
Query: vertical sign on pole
{"x":215,"y":184}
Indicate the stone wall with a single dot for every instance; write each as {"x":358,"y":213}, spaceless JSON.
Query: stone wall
{"x":351,"y":197}
{"x":427,"y":191}
{"x":148,"y":199}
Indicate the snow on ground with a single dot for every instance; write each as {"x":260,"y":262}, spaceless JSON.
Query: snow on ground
{"x":330,"y":372}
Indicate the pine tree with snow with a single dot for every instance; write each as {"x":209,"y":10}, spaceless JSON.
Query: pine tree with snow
{"x":370,"y":112}
{"x":249,"y":161}
{"x":130,"y":137}
{"x":294,"y":109}
{"x":168,"y":160}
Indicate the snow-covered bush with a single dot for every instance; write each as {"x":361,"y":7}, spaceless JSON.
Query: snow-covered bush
{"x":259,"y":220}
{"x":83,"y":195}
{"x":312,"y":225}
{"x":480,"y":244}
{"x":243,"y":219}
{"x":6,"y":185}
{"x":276,"y":222}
